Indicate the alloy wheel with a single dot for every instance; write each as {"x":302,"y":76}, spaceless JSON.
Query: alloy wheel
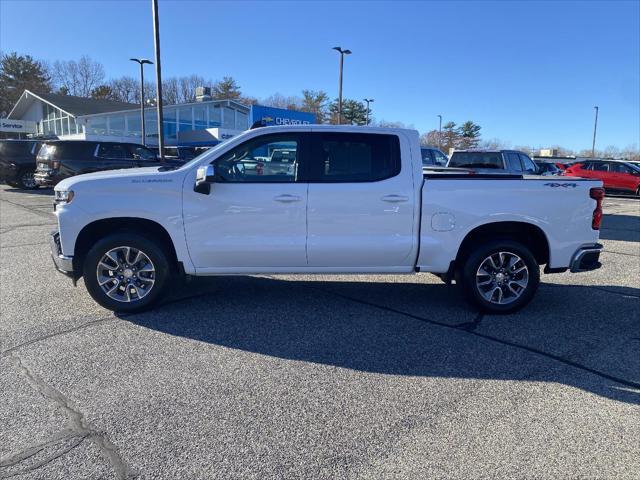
{"x":126,"y":274}
{"x":502,"y":278}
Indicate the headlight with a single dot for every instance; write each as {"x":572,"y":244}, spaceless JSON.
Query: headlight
{"x":63,"y":196}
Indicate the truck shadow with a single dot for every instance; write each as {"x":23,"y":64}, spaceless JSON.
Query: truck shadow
{"x":620,"y":227}
{"x":581,"y":336}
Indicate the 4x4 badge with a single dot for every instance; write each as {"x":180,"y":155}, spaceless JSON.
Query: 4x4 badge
{"x":563,"y":185}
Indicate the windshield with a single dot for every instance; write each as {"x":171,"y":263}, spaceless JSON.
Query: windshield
{"x":203,"y":154}
{"x":476,"y":160}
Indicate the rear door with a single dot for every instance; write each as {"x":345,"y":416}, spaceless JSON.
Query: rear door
{"x":600,"y":170}
{"x":114,"y":156}
{"x":361,"y":202}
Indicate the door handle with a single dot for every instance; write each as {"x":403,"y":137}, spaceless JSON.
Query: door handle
{"x":286,"y":198}
{"x":395,"y":198}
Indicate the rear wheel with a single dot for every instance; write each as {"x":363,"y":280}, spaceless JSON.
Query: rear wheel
{"x":26,"y":179}
{"x":500,"y":277}
{"x":126,"y":272}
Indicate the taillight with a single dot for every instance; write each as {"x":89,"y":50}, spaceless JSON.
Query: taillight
{"x":598,"y":195}
{"x":55,"y":164}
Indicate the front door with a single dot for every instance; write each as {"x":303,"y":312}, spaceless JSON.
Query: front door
{"x":254,"y":218}
{"x":362,"y":203}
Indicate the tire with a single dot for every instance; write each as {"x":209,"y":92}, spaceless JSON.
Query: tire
{"x":500,"y":277}
{"x":25,"y":179}
{"x":126,"y":286}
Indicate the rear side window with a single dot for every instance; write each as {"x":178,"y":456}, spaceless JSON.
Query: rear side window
{"x":114,"y":151}
{"x":440,"y":158}
{"x":15,"y":149}
{"x":620,"y":168}
{"x":75,"y":150}
{"x":142,"y":153}
{"x":600,"y":167}
{"x":514,"y":162}
{"x":354,"y":157}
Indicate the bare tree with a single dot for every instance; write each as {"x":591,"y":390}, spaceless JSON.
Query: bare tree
{"x":78,"y":78}
{"x":170,"y":91}
{"x":187,"y":87}
{"x":125,"y":89}
{"x":429,"y":138}
{"x":278,"y":100}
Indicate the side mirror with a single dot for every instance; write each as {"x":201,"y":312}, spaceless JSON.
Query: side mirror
{"x":205,"y":176}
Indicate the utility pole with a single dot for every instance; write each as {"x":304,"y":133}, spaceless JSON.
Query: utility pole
{"x":156,"y":44}
{"x":342,"y":54}
{"x":440,"y":133}
{"x":368,"y":100}
{"x":142,"y":62}
{"x":595,"y":128}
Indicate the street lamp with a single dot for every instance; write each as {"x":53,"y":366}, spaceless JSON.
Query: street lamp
{"x":342,"y":54}
{"x":440,"y":133}
{"x":595,"y":127}
{"x":142,"y":62}
{"x":156,"y":46}
{"x":368,"y":100}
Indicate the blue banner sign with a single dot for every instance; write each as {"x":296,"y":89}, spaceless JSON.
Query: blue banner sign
{"x":279,"y":116}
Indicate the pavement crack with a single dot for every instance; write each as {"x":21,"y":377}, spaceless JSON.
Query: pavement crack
{"x":11,"y":350}
{"x":78,"y":428}
{"x":472,"y":325}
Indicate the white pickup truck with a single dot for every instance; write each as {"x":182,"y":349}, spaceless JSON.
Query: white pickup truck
{"x":344,"y":200}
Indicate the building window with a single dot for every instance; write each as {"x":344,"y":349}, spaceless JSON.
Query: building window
{"x":229,"y":120}
{"x":116,"y":125}
{"x":242,"y":120}
{"x":134,"y":126}
{"x":185,"y":119}
{"x":200,"y":117}
{"x":98,"y":126}
{"x":215,"y":117}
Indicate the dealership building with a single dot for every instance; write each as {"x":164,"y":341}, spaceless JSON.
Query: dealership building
{"x":204,"y":122}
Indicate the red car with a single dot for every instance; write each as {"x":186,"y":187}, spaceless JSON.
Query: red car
{"x":615,"y":175}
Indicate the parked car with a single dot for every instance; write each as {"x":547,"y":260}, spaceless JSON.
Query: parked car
{"x":61,"y":159}
{"x":18,"y":162}
{"x":432,"y":156}
{"x":615,"y":175}
{"x":493,"y":161}
{"x":548,"y":168}
{"x":357,"y":202}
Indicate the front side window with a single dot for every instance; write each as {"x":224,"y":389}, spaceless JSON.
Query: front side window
{"x":354,"y":157}
{"x":620,"y":168}
{"x":270,"y":158}
{"x":141,"y":153}
{"x":527,"y":163}
{"x":514,"y":162}
{"x":440,"y":158}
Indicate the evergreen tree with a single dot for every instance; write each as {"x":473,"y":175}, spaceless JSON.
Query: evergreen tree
{"x":17,"y":74}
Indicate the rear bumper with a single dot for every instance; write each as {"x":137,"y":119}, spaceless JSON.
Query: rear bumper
{"x":63,"y":264}
{"x":586,"y":258}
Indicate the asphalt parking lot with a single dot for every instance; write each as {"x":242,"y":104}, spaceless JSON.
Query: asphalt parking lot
{"x":317,"y":377}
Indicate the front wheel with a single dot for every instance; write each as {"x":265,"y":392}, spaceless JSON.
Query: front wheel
{"x":500,"y":277}
{"x":126,"y":272}
{"x":26,"y":180}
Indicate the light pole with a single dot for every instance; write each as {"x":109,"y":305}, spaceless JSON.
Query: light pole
{"x":440,"y":133}
{"x":368,"y":100}
{"x":156,"y":44}
{"x":342,"y":54}
{"x":142,"y":62}
{"x":595,"y":127}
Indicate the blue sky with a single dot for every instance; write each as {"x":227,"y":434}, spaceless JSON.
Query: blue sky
{"x":528,"y":72}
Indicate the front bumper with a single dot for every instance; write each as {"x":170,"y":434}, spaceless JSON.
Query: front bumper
{"x":586,"y":258}
{"x":8,"y":172}
{"x":45,"y":179}
{"x":63,"y":264}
